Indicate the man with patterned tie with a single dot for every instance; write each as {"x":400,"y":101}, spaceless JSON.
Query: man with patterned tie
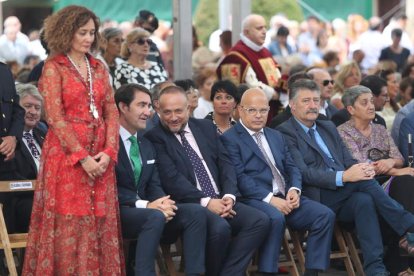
{"x":195,"y":167}
{"x":269,"y":180}
{"x":147,"y":213}
{"x":27,"y":156}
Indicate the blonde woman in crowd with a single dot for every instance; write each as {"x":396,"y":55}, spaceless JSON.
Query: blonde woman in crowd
{"x":137,"y":69}
{"x":349,"y":75}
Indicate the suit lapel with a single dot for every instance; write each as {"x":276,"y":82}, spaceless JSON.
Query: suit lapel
{"x":124,"y":160}
{"x":307,"y":138}
{"x":329,"y":142}
{"x":28,"y":156}
{"x":249,"y":141}
{"x":180,"y":151}
{"x":276,"y":152}
{"x":304,"y":135}
{"x":200,"y":139}
{"x":38,"y":136}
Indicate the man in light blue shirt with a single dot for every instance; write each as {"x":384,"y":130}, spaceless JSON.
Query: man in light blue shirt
{"x":331,"y":176}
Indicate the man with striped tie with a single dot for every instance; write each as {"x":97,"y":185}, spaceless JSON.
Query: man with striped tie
{"x":147,"y":213}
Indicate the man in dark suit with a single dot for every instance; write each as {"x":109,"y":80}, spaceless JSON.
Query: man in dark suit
{"x":11,"y":121}
{"x":147,"y":213}
{"x":261,"y":156}
{"x":11,"y":129}
{"x":27,"y":156}
{"x":195,"y":167}
{"x":330,"y":175}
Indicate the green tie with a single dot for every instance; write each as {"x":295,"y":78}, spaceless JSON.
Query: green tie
{"x":134,"y":155}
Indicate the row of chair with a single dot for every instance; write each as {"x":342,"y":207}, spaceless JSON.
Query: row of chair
{"x":293,"y":247}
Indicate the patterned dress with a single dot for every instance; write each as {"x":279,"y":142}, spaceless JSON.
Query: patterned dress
{"x":359,"y":145}
{"x":127,"y":73}
{"x":75,"y":226}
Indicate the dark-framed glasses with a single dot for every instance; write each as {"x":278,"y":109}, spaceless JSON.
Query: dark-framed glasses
{"x":326,"y":82}
{"x":254,"y":111}
{"x":142,"y":41}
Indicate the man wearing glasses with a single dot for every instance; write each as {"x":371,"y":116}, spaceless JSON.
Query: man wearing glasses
{"x":325,"y":83}
{"x":194,"y":167}
{"x":269,"y":180}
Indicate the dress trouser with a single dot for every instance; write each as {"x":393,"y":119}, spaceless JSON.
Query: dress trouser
{"x":148,"y":226}
{"x":361,"y":202}
{"x":312,"y":216}
{"x":232,"y":242}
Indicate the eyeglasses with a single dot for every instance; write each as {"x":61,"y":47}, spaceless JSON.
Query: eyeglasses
{"x":326,"y":82}
{"x":254,"y":111}
{"x":142,"y":41}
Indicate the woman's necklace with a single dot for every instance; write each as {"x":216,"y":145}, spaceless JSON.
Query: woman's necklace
{"x":92,"y":107}
{"x":218,"y":128}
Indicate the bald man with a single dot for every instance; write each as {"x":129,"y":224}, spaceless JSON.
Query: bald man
{"x":269,"y":180}
{"x":251,"y":63}
{"x":325,"y":82}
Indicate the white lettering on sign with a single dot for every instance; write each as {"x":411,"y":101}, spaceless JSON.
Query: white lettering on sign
{"x":21,"y":185}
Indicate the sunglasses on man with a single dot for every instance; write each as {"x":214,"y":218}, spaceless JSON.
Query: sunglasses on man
{"x":326,"y":82}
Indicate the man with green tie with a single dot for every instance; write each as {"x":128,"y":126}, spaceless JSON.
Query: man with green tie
{"x":147,"y":213}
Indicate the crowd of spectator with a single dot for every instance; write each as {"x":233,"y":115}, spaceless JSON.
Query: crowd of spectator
{"x":327,"y":107}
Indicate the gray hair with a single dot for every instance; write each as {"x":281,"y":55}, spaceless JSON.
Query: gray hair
{"x":302,"y":84}
{"x":111,"y":32}
{"x":27,"y":89}
{"x":351,"y":94}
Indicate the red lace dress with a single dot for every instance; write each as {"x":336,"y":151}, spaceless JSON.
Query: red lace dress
{"x":74,"y":228}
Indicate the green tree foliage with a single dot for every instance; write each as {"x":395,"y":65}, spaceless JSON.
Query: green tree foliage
{"x":206,"y":15}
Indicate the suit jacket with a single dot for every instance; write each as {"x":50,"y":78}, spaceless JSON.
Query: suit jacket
{"x":25,"y":164}
{"x":254,"y":176}
{"x":406,"y":127}
{"x":176,"y":171}
{"x":309,"y":158}
{"x":149,"y":185}
{"x":11,"y":114}
{"x":330,"y":111}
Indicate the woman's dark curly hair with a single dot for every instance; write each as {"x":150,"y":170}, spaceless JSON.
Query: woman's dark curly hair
{"x":60,"y":28}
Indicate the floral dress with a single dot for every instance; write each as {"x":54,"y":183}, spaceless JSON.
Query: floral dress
{"x":75,"y":226}
{"x":127,"y":73}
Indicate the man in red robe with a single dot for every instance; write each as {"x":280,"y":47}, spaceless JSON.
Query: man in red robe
{"x":251,"y":63}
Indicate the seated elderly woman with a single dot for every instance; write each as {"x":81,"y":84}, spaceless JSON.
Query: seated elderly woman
{"x":224,"y":96}
{"x":369,"y":142}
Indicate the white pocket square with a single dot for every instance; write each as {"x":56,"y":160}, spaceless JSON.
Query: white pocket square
{"x":151,"y":161}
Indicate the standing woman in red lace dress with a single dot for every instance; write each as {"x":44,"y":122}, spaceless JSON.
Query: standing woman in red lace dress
{"x":75,"y":226}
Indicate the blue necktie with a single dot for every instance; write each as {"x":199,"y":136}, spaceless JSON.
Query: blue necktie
{"x":328,"y":160}
{"x":199,"y":169}
{"x":30,"y":142}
